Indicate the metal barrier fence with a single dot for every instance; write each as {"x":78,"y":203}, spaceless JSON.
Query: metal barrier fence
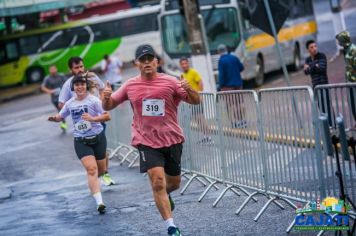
{"x":338,"y":100}
{"x":267,"y":147}
{"x":257,"y":143}
{"x":118,"y":133}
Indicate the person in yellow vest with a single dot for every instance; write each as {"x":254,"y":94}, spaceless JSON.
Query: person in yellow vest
{"x":194,"y":79}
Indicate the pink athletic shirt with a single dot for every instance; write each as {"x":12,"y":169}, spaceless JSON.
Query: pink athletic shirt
{"x":154,"y":103}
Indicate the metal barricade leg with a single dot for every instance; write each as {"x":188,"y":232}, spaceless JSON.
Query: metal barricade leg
{"x":207,"y":190}
{"x":125,"y":157}
{"x":233,"y":189}
{"x":290,"y":227}
{"x":113,"y":153}
{"x":188,"y":183}
{"x":264,"y":208}
{"x":274,"y":200}
{"x":202,"y":181}
{"x":221,"y":195}
{"x":246,"y":201}
{"x":134,"y":160}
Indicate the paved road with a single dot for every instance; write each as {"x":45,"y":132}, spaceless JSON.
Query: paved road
{"x":49,"y":193}
{"x":43,"y":186}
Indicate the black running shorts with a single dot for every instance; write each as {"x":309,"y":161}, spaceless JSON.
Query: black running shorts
{"x":96,"y":148}
{"x":167,"y":157}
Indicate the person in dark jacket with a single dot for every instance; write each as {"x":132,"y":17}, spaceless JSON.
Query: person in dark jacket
{"x":230,"y":68}
{"x":316,"y":66}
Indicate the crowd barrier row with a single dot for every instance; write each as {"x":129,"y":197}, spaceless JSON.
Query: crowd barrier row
{"x":267,"y":143}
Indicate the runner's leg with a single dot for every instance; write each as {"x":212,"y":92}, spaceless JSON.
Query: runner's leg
{"x":91,"y":168}
{"x":158,"y":184}
{"x":172,"y":183}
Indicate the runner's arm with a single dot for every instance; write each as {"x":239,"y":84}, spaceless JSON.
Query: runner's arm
{"x":193,"y":96}
{"x":109,"y":103}
{"x":105,"y":116}
{"x":47,"y":90}
{"x":55,"y":118}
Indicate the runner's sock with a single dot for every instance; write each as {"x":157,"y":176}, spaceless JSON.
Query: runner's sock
{"x":169,"y":223}
{"x":98,"y":198}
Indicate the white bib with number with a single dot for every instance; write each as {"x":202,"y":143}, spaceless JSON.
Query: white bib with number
{"x":153,"y":107}
{"x":83,"y":126}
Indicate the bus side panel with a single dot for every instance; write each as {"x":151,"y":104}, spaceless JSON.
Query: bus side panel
{"x":91,"y":53}
{"x":13,"y":72}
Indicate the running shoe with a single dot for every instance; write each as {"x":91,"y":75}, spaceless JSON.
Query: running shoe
{"x":63,"y":126}
{"x":101,"y":208}
{"x":171,"y":202}
{"x":174,"y":231}
{"x":107,"y":180}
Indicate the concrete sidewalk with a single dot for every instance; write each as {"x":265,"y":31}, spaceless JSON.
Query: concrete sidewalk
{"x":20,"y":91}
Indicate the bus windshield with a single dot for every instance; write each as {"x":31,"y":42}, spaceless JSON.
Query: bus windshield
{"x":220,"y":24}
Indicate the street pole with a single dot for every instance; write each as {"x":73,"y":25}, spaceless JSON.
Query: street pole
{"x":338,"y":20}
{"x":281,"y":59}
{"x":201,"y":58}
{"x":278,"y":48}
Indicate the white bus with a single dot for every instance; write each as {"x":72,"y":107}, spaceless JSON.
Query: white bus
{"x":225,"y":24}
{"x":26,"y":56}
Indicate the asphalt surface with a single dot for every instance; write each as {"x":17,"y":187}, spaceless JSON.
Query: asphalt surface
{"x":43,"y":188}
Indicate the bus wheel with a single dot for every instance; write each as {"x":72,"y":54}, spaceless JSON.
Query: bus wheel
{"x":34,"y":75}
{"x":260,"y":75}
{"x":296,"y":59}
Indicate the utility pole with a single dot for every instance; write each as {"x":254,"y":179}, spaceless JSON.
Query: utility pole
{"x":201,"y":58}
{"x":338,"y":20}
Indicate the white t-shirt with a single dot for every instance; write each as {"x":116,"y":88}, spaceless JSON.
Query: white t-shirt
{"x":75,"y":108}
{"x":66,"y":92}
{"x":113,"y":72}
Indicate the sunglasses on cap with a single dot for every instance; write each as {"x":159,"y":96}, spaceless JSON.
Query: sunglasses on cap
{"x":145,"y":58}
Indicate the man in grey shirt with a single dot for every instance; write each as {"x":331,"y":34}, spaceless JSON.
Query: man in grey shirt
{"x":52,"y":85}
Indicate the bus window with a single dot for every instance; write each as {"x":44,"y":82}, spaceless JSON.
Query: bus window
{"x":175,"y":35}
{"x":138,"y":24}
{"x":80,"y":35}
{"x":221,"y":27}
{"x":104,"y":31}
{"x":300,"y":8}
{"x":12,"y":51}
{"x":53,"y":41}
{"x":308,"y":6}
{"x":220,"y":24}
{"x":29,"y":45}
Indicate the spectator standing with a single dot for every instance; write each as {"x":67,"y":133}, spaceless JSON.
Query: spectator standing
{"x":230,"y":68}
{"x":195,"y":81}
{"x":344,"y":41}
{"x":316,"y":66}
{"x":111,"y":67}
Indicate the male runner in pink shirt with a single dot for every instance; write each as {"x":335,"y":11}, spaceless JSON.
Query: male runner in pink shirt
{"x":155,"y":98}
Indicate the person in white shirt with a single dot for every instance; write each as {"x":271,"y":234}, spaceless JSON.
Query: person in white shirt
{"x":111,"y":67}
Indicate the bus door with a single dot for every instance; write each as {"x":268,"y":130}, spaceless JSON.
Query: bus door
{"x":10,"y":71}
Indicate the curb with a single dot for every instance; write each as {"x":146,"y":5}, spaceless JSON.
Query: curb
{"x":16,"y":92}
